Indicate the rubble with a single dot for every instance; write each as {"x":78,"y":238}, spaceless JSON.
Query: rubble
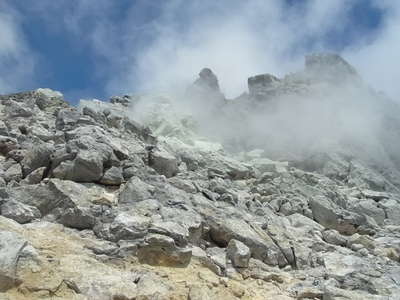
{"x":96,"y":204}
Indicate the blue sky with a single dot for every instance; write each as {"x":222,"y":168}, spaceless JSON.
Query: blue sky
{"x":93,"y":49}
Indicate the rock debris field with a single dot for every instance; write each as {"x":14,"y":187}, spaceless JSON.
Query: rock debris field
{"x":289,"y":191}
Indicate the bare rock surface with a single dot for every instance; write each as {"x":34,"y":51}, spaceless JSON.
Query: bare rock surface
{"x":133,"y":199}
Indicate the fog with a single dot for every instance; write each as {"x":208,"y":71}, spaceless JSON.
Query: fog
{"x":255,"y":37}
{"x":236,"y":39}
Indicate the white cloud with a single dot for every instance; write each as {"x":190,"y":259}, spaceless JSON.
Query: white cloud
{"x":377,"y":59}
{"x":17,"y":61}
{"x":236,"y":39}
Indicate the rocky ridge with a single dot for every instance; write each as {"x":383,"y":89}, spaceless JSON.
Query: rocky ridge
{"x":97,"y":204}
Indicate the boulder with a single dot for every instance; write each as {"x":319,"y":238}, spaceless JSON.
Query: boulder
{"x":217,"y":257}
{"x":112,"y":176}
{"x":238,"y":253}
{"x":35,"y":176}
{"x":163,"y":162}
{"x":49,"y":101}
{"x":392,"y":210}
{"x":77,"y":217}
{"x":13,"y":173}
{"x":67,"y":118}
{"x":129,"y":226}
{"x":7,"y":144}
{"x":370,"y":208}
{"x":19,"y":212}
{"x":135,"y":190}
{"x":172,"y":229}
{"x":68,"y":201}
{"x":37,"y":156}
{"x":86,"y":167}
{"x":15,"y":110}
{"x":332,"y":216}
{"x":161,"y":250}
{"x":335,"y":238}
{"x":262,"y":247}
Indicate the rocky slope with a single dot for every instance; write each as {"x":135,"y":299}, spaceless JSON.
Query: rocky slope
{"x":129,"y":200}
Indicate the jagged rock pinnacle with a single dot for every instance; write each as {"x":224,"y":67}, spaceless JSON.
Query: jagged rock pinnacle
{"x":207,"y":79}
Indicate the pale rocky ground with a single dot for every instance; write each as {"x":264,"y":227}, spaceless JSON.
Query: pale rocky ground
{"x":129,"y":200}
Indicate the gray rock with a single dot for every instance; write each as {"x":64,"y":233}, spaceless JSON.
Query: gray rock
{"x":11,"y":246}
{"x":13,"y":173}
{"x":97,"y":116}
{"x":238,"y":253}
{"x":370,"y":208}
{"x":67,"y":118}
{"x":334,"y":237}
{"x":15,"y":110}
{"x":392,"y":210}
{"x":163,"y":162}
{"x":112,"y":176}
{"x":161,"y":250}
{"x":261,"y":245}
{"x":135,"y":190}
{"x":35,"y":176}
{"x":207,"y":80}
{"x":330,"y":215}
{"x":259,"y":85}
{"x":217,"y":256}
{"x":19,"y":212}
{"x":7,"y":144}
{"x":77,"y":217}
{"x":3,"y":129}
{"x":172,"y":229}
{"x":86,"y":167}
{"x":57,"y":197}
{"x":129,"y":227}
{"x":36,"y":157}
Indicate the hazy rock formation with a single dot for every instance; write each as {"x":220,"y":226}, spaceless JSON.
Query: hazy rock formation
{"x":207,"y":80}
{"x":112,"y":201}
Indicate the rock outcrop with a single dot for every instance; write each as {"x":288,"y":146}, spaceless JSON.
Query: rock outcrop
{"x":98,"y":204}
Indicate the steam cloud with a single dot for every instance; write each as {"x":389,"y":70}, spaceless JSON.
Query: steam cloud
{"x":236,"y":39}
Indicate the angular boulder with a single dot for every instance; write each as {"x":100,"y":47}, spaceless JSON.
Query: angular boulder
{"x":238,"y":253}
{"x":163,"y":162}
{"x":135,"y":190}
{"x":19,"y":212}
{"x":161,"y":250}
{"x":112,"y":176}
{"x":86,"y":167}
